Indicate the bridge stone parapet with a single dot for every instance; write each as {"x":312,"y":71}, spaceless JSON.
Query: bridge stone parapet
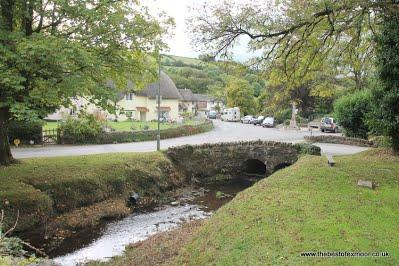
{"x":235,"y":158}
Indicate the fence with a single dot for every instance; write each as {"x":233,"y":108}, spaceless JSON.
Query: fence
{"x":50,"y":136}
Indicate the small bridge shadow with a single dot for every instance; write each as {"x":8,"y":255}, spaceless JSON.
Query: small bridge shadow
{"x":254,"y":167}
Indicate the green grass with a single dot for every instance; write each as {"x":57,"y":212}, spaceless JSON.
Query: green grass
{"x":42,"y":188}
{"x":50,"y":125}
{"x":128,"y":125}
{"x":185,"y":60}
{"x":307,"y":207}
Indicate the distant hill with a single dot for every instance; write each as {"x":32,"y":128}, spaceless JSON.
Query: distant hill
{"x":189,"y":73}
{"x":204,"y":77}
{"x":174,"y":59}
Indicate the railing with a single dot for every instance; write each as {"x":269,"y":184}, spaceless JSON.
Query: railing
{"x":50,"y":136}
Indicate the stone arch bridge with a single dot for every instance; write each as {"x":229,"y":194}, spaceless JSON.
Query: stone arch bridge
{"x":206,"y":161}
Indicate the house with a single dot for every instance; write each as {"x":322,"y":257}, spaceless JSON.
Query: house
{"x":198,"y":104}
{"x":143,"y":105}
{"x":202,"y":104}
{"x":140,"y":105}
{"x":187,"y":103}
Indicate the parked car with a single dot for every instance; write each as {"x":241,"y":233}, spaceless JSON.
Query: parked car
{"x":212,"y":115}
{"x":328,"y":124}
{"x":258,"y":121}
{"x":268,"y":122}
{"x":247,"y":119}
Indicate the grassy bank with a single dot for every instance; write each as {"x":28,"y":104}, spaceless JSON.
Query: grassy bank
{"x":44,"y":188}
{"x":306,"y":207}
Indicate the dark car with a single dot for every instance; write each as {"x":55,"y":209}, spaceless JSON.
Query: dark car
{"x":328,"y":124}
{"x":212,"y":115}
{"x":259,"y":120}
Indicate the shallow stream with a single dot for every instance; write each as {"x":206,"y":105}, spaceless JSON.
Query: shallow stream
{"x":111,"y":238}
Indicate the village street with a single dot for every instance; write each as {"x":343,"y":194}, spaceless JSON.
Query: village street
{"x":223,"y":132}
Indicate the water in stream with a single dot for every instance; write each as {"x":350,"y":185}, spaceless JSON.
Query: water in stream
{"x":111,"y":239}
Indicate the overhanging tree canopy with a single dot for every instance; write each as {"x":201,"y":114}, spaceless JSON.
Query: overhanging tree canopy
{"x":296,"y":33}
{"x":52,"y":50}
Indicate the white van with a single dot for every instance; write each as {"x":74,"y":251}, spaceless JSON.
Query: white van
{"x":231,"y":115}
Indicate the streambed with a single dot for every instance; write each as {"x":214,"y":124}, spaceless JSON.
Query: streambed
{"x":111,"y":238}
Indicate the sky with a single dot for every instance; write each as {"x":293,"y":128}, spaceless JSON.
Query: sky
{"x":180,"y":43}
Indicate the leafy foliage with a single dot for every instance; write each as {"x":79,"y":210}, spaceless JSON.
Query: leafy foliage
{"x":351,"y":111}
{"x":385,"y":117}
{"x":54,"y":50}
{"x":82,"y":130}
{"x":207,"y":76}
{"x":239,"y":93}
{"x":25,"y":131}
{"x":312,"y":52}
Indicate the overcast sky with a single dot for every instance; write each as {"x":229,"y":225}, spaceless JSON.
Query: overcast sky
{"x":180,"y":43}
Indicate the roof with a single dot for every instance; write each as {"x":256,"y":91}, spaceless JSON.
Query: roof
{"x":201,"y":98}
{"x":186,"y":94}
{"x":142,"y":109}
{"x":168,"y":89}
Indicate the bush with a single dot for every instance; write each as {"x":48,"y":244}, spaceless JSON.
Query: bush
{"x":283,"y":115}
{"x":25,"y":131}
{"x":351,"y":112}
{"x":86,"y":129}
{"x":307,"y":148}
{"x":381,"y":141}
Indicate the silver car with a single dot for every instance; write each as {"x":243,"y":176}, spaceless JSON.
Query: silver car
{"x":247,"y":119}
{"x":268,"y":122}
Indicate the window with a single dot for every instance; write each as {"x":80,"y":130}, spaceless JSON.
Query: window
{"x":129,"y":114}
{"x":129,"y":96}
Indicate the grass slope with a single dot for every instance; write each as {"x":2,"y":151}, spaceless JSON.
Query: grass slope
{"x":306,"y":207}
{"x":183,"y":59}
{"x":47,"y":187}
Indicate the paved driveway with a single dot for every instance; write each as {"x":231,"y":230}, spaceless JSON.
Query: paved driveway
{"x":223,"y":132}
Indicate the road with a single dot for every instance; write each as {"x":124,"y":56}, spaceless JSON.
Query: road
{"x":223,"y":132}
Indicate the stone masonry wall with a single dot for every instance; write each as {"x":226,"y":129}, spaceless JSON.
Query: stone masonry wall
{"x":207,"y":160}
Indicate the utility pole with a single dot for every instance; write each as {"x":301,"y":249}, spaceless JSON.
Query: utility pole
{"x":159,"y":104}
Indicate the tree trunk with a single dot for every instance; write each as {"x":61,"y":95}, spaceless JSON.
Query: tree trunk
{"x":5,"y":152}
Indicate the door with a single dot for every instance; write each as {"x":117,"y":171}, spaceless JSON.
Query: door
{"x":143,"y":116}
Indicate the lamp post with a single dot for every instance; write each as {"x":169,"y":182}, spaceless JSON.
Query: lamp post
{"x":159,"y":105}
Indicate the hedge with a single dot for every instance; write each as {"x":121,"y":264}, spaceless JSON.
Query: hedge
{"x":136,"y":136}
{"x":25,"y":131}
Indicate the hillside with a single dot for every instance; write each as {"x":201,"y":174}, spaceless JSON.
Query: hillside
{"x":208,"y":77}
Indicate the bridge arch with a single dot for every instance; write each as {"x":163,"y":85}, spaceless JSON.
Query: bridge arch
{"x":254,"y":166}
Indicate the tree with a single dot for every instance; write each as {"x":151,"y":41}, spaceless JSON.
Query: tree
{"x":240,"y":94}
{"x":206,"y":57}
{"x":288,"y":30}
{"x":54,"y":50}
{"x":385,"y":116}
